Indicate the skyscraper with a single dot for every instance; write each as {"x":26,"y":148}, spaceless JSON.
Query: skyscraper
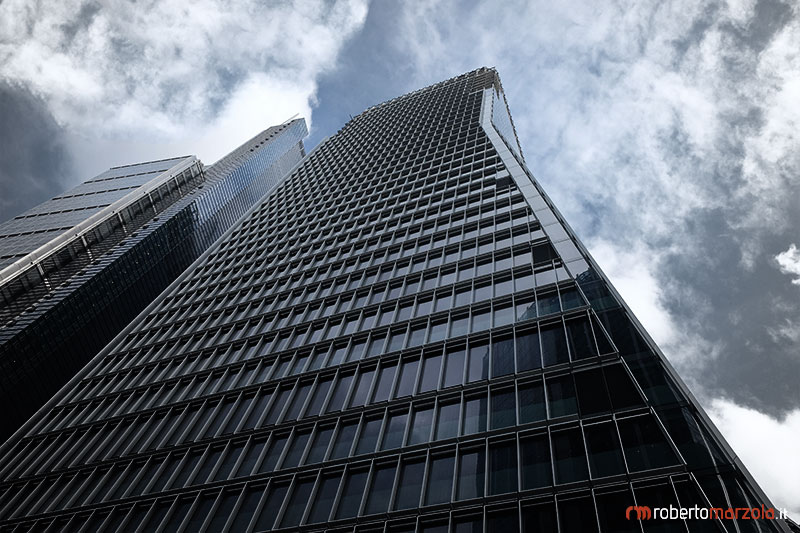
{"x":78,"y":268}
{"x":404,"y":335}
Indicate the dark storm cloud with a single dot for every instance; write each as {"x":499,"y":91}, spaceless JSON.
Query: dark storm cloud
{"x":34,"y":163}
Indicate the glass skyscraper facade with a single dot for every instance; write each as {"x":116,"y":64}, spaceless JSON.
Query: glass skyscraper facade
{"x":78,"y":268}
{"x":403,"y":336}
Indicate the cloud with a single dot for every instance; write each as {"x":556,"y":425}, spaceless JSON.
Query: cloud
{"x":164,"y":71}
{"x":758,"y":440}
{"x":34,"y":159}
{"x":789,"y":263}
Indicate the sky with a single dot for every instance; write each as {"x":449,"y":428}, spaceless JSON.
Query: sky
{"x":666,"y":133}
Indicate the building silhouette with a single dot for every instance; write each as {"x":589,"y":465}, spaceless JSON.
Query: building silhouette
{"x":78,"y":268}
{"x":404,"y":335}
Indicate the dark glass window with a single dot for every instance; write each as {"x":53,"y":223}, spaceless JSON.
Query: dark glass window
{"x":351,"y":494}
{"x":624,"y":394}
{"x":548,"y":303}
{"x":474,"y":416}
{"x":577,"y":515}
{"x":320,"y":445}
{"x":323,"y":499}
{"x":430,"y":373}
{"x":447,"y":421}
{"x":454,"y":368}
{"x":504,"y":408}
{"x":581,"y":341}
{"x":381,"y":489}
{"x":274,"y":452}
{"x":502,"y":467}
{"x":440,"y":479}
{"x":266,"y":519}
{"x":592,"y":396}
{"x":478,"y":362}
{"x":529,"y":354}
{"x":251,"y":457}
{"x":502,"y":356}
{"x":471,"y":468}
{"x":611,"y":519}
{"x":605,"y":455}
{"x":554,"y":344}
{"x":410,"y":485}
{"x":535,"y":455}
{"x":395,"y":430}
{"x":296,"y":449}
{"x":408,"y":374}
{"x":645,"y":445}
{"x":539,"y":517}
{"x":359,"y":397}
{"x":561,"y":396}
{"x":297,"y":503}
{"x":505,"y":520}
{"x":369,"y":436}
{"x":252,"y":495}
{"x":532,"y":407}
{"x":339,"y":395}
{"x":344,"y":440}
{"x":421,"y":424}
{"x":384,"y":385}
{"x":568,"y":456}
{"x":298,"y":401}
{"x":318,"y":398}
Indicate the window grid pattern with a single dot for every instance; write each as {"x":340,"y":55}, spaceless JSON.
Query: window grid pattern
{"x":389,"y":342}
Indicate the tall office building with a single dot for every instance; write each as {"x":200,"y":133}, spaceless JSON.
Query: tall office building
{"x":78,"y":268}
{"x":403,"y":336}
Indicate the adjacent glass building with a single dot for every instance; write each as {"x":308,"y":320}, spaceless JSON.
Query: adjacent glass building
{"x":78,"y":268}
{"x":403,"y":336}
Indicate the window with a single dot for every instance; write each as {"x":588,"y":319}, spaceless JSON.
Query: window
{"x":554,"y":344}
{"x":535,"y":455}
{"x":277,"y":443}
{"x":502,"y":356}
{"x":421,"y":425}
{"x":471,"y":468}
{"x":384,"y":385}
{"x":577,"y":515}
{"x":502,"y":467}
{"x":474,"y":416}
{"x":532,"y":406}
{"x":440,"y":479}
{"x":529,"y":354}
{"x":454,"y":368}
{"x":478,"y":362}
{"x":319,"y":445}
{"x":408,"y":375}
{"x":410,"y":484}
{"x":381,"y":489}
{"x":592,"y":397}
{"x":369,"y":436}
{"x":362,"y":388}
{"x":297,"y":503}
{"x":561,"y":396}
{"x":504,"y":408}
{"x":645,"y":445}
{"x":430,"y":373}
{"x":344,"y":440}
{"x":605,"y":456}
{"x":568,"y":456}
{"x":266,"y":519}
{"x":323,"y":500}
{"x":395,"y":430}
{"x":351,"y":494}
{"x":447,"y":421}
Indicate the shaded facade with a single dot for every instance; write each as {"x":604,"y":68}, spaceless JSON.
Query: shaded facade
{"x":78,"y":268}
{"x":403,"y":336}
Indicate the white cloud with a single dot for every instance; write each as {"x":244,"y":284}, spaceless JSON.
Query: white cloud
{"x":209,"y":75}
{"x":632,"y":274}
{"x":758,"y":440}
{"x":789,"y":263}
